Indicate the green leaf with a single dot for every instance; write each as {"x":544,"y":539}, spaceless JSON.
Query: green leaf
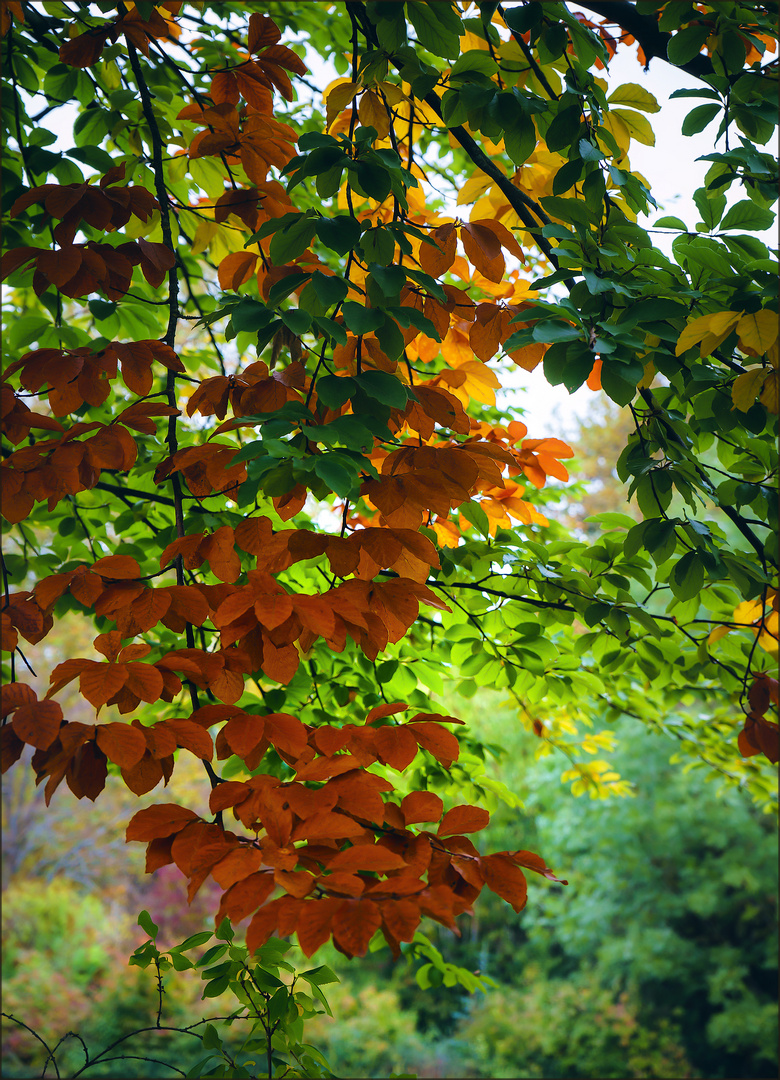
{"x":210,"y":1038}
{"x":194,"y":940}
{"x":333,"y":390}
{"x":383,"y":387}
{"x":330,"y":468}
{"x":370,"y":179}
{"x":290,"y":242}
{"x":687,"y":43}
{"x":340,"y":233}
{"x":146,"y":924}
{"x":296,"y":320}
{"x":437,"y":26}
{"x":564,"y":128}
{"x":746,"y":215}
{"x":687,"y":577}
{"x":670,"y":222}
{"x":330,"y":290}
{"x":249,"y":315}
{"x":698,"y":118}
{"x":474,"y":61}
{"x":361,"y":320}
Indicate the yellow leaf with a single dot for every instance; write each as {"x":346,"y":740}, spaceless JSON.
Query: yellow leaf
{"x":638,"y":126}
{"x":748,"y":611}
{"x":636,"y":96}
{"x":698,"y":329}
{"x":337,"y":99}
{"x":770,"y":392}
{"x":768,"y":638}
{"x":479,"y":384}
{"x":649,"y":375}
{"x":618,"y":130}
{"x":204,"y":234}
{"x":718,"y":633}
{"x":475,"y":186}
{"x":373,"y":113}
{"x":757,"y":332}
{"x":745,"y":388}
{"x":393,"y":93}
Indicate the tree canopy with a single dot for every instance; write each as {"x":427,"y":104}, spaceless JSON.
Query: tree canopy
{"x":261,"y":318}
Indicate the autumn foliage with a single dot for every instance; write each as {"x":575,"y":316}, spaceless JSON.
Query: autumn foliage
{"x":379,"y":324}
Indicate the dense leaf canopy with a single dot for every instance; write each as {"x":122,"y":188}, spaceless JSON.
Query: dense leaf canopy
{"x":261,"y":318}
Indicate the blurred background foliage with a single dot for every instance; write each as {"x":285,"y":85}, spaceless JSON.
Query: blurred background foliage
{"x":658,"y":960}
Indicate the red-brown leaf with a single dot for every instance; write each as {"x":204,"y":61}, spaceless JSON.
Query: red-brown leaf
{"x":463,"y":819}
{"x":38,"y":723}
{"x":121,"y":743}
{"x":237,"y":865}
{"x":366,"y":857}
{"x":506,"y":880}
{"x":314,"y":923}
{"x":421,"y":806}
{"x":163,"y":819}
{"x":246,"y":896}
{"x":354,"y":924}
{"x":436,"y":740}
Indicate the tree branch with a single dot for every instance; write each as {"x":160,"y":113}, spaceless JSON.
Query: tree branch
{"x":644,"y":28}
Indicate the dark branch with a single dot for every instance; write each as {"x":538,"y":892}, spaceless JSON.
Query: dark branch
{"x":644,"y":28}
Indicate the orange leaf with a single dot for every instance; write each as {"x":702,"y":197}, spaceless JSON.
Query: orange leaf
{"x":263,"y":32}
{"x":236,"y":269}
{"x":327,"y":826}
{"x":391,"y":709}
{"x":366,"y":857}
{"x":263,"y":924}
{"x":421,"y":806}
{"x":121,"y":743}
{"x":286,"y":732}
{"x":145,"y":681}
{"x":534,"y":862}
{"x":99,"y":682}
{"x":192,"y":737}
{"x":163,"y":819}
{"x":506,"y":880}
{"x":463,"y":819}
{"x":401,"y":917}
{"x":437,"y":741}
{"x":437,"y":260}
{"x":246,"y":896}
{"x":118,"y":567}
{"x":354,"y":924}
{"x":14,"y":695}
{"x":38,"y":723}
{"x":314,"y":923}
{"x":483,"y":250}
{"x":237,"y":865}
{"x":218,"y":549}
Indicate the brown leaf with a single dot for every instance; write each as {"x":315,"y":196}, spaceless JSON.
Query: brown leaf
{"x":162,"y":819}
{"x":436,"y":740}
{"x":246,"y":896}
{"x":314,"y":923}
{"x":237,"y":865}
{"x":366,"y":857}
{"x":354,"y":924}
{"x":38,"y":723}
{"x":421,"y":806}
{"x":121,"y":743}
{"x":463,"y":819}
{"x":506,"y":880}
{"x":437,"y":260}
